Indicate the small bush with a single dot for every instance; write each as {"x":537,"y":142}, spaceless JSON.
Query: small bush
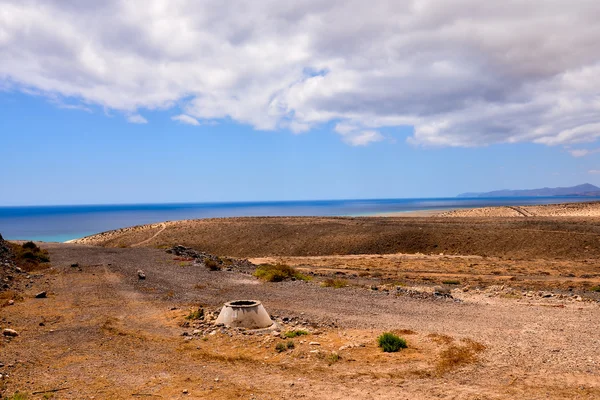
{"x":280,"y":347}
{"x":335,"y":283}
{"x":212,"y":264}
{"x":595,"y":289}
{"x":458,"y":355}
{"x":30,"y":246}
{"x":29,"y":256}
{"x":333,"y":358}
{"x":295,"y":333}
{"x":17,"y":396}
{"x":391,"y":343}
{"x":290,"y":344}
{"x":196,"y":315}
{"x":277,"y":273}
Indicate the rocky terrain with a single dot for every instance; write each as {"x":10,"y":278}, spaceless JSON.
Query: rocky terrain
{"x":7,"y":266}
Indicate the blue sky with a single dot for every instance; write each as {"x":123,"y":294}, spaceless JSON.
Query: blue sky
{"x":110,"y":102}
{"x":66,"y":156}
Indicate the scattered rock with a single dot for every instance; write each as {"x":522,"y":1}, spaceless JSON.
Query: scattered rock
{"x":41,"y":295}
{"x":314,"y":344}
{"x":184,"y":391}
{"x":10,"y":332}
{"x":141,"y":274}
{"x":10,"y":302}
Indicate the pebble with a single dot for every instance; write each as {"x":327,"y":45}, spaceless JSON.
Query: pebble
{"x":11,"y":302}
{"x":41,"y":295}
{"x":314,"y":344}
{"x":141,"y":274}
{"x":10,"y":332}
{"x":184,"y":391}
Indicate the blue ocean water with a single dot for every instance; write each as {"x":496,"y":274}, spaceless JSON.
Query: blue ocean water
{"x":61,"y":223}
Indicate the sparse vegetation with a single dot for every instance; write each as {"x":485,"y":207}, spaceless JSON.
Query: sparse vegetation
{"x":29,"y":256}
{"x":295,"y":333}
{"x":595,"y":289}
{"x":196,"y":315}
{"x":17,"y":396}
{"x":290,"y":344}
{"x":458,"y":355}
{"x":280,"y":347}
{"x":451,"y":282}
{"x":212,"y":264}
{"x":335,"y":283}
{"x":277,"y":273}
{"x":391,"y":343}
{"x":333,"y":358}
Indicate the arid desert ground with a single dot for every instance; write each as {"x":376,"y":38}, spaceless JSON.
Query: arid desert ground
{"x":498,"y":303}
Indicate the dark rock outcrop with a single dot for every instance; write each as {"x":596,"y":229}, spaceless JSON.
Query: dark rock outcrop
{"x":7,"y":265}
{"x":210,"y":261}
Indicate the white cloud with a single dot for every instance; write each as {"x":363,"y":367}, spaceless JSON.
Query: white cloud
{"x":462,"y":72}
{"x":353,"y":135}
{"x":583,"y":152}
{"x":594,"y":171}
{"x":186,"y":119}
{"x":137,"y":119}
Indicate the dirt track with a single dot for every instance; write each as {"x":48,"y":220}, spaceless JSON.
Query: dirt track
{"x":107,"y":334}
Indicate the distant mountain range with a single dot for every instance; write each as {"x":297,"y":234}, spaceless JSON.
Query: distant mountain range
{"x":586,"y":189}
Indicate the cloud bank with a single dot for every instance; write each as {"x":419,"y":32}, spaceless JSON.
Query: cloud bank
{"x":461,"y":72}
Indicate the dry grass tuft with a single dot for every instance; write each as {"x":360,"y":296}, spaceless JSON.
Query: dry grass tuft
{"x":277,"y":273}
{"x":457,"y":356}
{"x":335,"y":283}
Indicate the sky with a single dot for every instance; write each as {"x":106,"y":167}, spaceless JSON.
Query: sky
{"x":183,"y":101}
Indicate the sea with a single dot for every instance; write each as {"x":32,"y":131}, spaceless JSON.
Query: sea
{"x":62,"y":223}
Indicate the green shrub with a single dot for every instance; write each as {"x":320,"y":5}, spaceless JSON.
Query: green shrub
{"x":295,"y":333}
{"x":280,"y":347}
{"x":333,"y":358}
{"x":196,"y":315}
{"x":290,"y":344}
{"x":595,"y":289}
{"x":277,"y":273}
{"x":335,"y":283}
{"x":391,"y":343}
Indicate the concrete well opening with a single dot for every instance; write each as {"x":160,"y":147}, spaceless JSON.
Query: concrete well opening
{"x":249,"y":314}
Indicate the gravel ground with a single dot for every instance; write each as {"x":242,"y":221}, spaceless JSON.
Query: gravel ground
{"x":534,"y":349}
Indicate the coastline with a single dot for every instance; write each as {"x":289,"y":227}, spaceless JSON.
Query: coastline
{"x":67,"y":224}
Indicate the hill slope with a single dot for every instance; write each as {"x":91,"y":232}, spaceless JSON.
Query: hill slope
{"x":580,"y":190}
{"x":539,"y":237}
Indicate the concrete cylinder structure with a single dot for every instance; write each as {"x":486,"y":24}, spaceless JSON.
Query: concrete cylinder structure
{"x":249,"y":314}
